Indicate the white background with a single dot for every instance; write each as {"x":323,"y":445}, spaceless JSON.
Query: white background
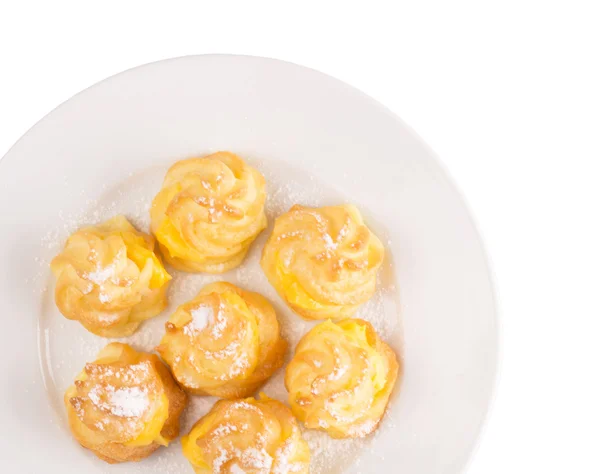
{"x":506,"y":92}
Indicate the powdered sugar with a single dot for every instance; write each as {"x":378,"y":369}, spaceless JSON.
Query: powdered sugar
{"x":129,"y":402}
{"x":107,"y":317}
{"x":123,"y":402}
{"x":241,"y":404}
{"x":224,"y":430}
{"x":220,"y":460}
{"x":282,"y":464}
{"x":362,"y":429}
{"x":220,"y":324}
{"x":103,"y":297}
{"x":228,"y":351}
{"x":339,"y":368}
{"x":202,"y":317}
{"x":382,"y":309}
{"x":238,"y":366}
{"x":331,"y":456}
{"x":258,"y":460}
{"x":101,"y":274}
{"x":254,"y":458}
{"x":329,"y":243}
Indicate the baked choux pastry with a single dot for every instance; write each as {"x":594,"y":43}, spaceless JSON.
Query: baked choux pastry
{"x":225,"y":342}
{"x":322,"y":261}
{"x":247,"y":436}
{"x":341,"y":378}
{"x":109,"y":278}
{"x":124,"y":405}
{"x":208,"y":212}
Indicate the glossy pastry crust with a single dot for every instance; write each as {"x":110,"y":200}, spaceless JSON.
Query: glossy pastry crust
{"x":109,"y":278}
{"x":124,"y":405}
{"x":208,"y":212}
{"x":322,"y":261}
{"x":341,"y":378}
{"x":225,"y":342}
{"x":247,"y":436}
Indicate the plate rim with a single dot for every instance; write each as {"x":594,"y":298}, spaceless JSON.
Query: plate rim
{"x":496,"y":362}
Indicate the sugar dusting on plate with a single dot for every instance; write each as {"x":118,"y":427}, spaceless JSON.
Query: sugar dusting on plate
{"x":66,"y":346}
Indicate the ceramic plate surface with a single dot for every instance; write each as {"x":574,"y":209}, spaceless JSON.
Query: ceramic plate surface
{"x":317,"y":141}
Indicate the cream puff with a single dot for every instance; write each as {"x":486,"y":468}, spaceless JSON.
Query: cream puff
{"x":340,"y":378}
{"x":247,"y":436}
{"x":208,"y":212}
{"x":124,"y":405}
{"x":225,"y":342}
{"x":109,"y":278}
{"x":322,"y":261}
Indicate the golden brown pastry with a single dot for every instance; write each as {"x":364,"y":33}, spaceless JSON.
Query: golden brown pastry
{"x":124,"y":405}
{"x":208,"y":212}
{"x":322,"y":261}
{"x":109,"y":278}
{"x":225,"y":342}
{"x":340,"y":378}
{"x":247,"y":436}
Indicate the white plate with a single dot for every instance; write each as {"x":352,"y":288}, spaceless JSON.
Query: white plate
{"x":317,"y":141}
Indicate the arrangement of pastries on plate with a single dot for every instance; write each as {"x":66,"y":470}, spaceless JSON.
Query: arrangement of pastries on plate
{"x":226,"y":341}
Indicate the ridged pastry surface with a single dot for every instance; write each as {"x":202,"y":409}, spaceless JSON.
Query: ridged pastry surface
{"x":247,"y":436}
{"x":322,"y":261}
{"x":225,"y":342}
{"x":341,"y":378}
{"x":124,"y":405}
{"x":109,"y":278}
{"x":208,"y":212}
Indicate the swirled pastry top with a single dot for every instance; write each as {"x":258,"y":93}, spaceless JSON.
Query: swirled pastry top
{"x":322,"y":261}
{"x":109,"y":278}
{"x":341,"y":377}
{"x":247,"y":436}
{"x":208,"y":212}
{"x":225,"y":342}
{"x":124,"y":404}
